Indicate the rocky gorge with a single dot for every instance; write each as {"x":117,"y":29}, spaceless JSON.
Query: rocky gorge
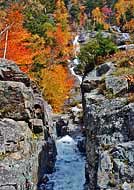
{"x":27,"y":148}
{"x":109,"y":122}
{"x":28,"y":142}
{"x":28,"y":127}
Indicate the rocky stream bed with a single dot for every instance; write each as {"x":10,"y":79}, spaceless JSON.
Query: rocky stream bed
{"x":30,"y":150}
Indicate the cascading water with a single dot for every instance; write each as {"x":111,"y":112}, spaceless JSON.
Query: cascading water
{"x":70,"y":166}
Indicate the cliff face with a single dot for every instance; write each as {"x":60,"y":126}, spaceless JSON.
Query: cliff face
{"x":109,"y":121}
{"x":27,"y":150}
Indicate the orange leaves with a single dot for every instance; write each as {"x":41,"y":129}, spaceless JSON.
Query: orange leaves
{"x":121,"y":7}
{"x":17,"y":49}
{"x":61,"y":13}
{"x":14,"y":16}
{"x":129,"y":25}
{"x":56,"y":84}
{"x":43,"y":52}
{"x":62,"y":39}
{"x":83,"y":16}
{"x":130,"y":78}
{"x":60,"y":49}
{"x":99,"y":17}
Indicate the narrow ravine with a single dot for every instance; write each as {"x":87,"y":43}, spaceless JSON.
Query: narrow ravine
{"x":70,"y":164}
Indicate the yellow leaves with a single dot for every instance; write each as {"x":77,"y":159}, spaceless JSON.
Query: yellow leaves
{"x":96,"y":13}
{"x":106,"y":26}
{"x":56,"y":84}
{"x":61,"y":14}
{"x":99,"y":17}
{"x":2,"y":18}
{"x":74,"y":2}
{"x":129,"y":25}
{"x":121,"y":8}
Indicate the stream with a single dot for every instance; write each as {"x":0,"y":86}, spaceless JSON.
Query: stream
{"x":70,"y":166}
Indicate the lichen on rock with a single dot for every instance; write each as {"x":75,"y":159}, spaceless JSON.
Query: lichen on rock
{"x":109,"y":128}
{"x":27,"y":150}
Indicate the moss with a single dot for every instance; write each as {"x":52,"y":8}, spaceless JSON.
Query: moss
{"x":109,"y":94}
{"x":35,"y":136}
{"x":102,"y":88}
{"x":74,"y":103}
{"x":123,"y":62}
{"x":120,"y":187}
{"x":124,"y":71}
{"x":126,"y":162}
{"x":8,"y":108}
{"x":2,"y":156}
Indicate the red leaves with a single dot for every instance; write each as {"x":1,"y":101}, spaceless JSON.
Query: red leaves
{"x":106,"y":11}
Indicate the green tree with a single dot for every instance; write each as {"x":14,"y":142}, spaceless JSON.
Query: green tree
{"x":75,"y":13}
{"x":91,"y":52}
{"x":88,"y":55}
{"x":106,"y":46}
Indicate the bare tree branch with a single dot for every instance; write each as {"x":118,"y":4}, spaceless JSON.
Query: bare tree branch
{"x":5,"y":29}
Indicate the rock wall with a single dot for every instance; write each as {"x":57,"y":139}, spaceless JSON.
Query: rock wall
{"x":27,"y":149}
{"x":109,"y":121}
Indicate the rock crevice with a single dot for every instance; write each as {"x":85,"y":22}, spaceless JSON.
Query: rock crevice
{"x":27,"y":149}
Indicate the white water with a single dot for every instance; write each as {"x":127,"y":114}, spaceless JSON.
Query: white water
{"x":75,"y":62}
{"x":76,"y":45}
{"x":77,"y":76}
{"x":70,"y":164}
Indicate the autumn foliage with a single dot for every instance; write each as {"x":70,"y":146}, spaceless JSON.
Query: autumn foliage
{"x":124,"y":10}
{"x":56,"y":84}
{"x":17,"y":47}
{"x":43,"y":49}
{"x":99,"y":16}
{"x":40,"y":34}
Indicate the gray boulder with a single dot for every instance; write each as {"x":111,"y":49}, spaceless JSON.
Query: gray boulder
{"x":9,"y":71}
{"x":109,"y":130}
{"x":22,"y":108}
{"x":116,"y":84}
{"x":16,"y":100}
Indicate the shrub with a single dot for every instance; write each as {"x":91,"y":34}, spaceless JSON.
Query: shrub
{"x":91,"y":52}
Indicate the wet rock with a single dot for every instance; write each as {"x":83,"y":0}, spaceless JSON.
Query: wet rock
{"x":82,"y":145}
{"x":8,"y":188}
{"x":102,"y":69}
{"x":122,"y":38}
{"x":76,"y":113}
{"x":126,"y":47}
{"x":37,"y":125}
{"x":62,"y":127}
{"x":89,"y":85}
{"x":47,"y":158}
